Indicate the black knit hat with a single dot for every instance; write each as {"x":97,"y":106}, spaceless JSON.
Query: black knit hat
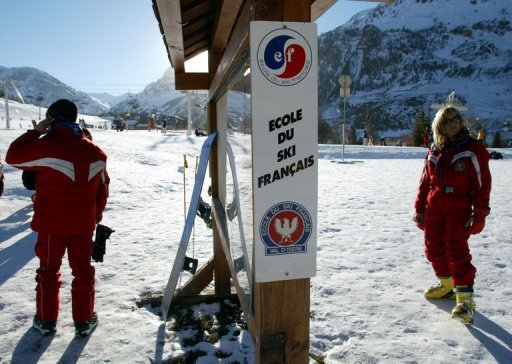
{"x":63,"y":109}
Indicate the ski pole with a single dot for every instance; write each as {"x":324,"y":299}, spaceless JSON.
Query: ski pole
{"x":185,"y":166}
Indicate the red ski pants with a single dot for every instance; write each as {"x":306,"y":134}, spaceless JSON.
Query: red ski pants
{"x":50,"y":249}
{"x":446,"y":242}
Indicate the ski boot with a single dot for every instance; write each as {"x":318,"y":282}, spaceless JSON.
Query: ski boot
{"x":464,"y":310}
{"x":45,"y":327}
{"x":84,"y":328}
{"x":444,"y":289}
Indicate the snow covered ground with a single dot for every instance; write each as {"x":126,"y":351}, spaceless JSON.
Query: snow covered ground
{"x":366,"y":305}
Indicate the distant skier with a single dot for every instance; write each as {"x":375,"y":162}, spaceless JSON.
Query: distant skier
{"x":481,"y":136}
{"x":452,"y":203}
{"x":426,"y":138}
{"x":199,"y":133}
{"x":1,"y":177}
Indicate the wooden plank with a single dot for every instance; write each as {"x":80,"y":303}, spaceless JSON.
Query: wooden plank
{"x":284,"y":307}
{"x":196,"y":48}
{"x":225,"y":21}
{"x":268,"y":10}
{"x":299,"y":11}
{"x":222,"y":270}
{"x":319,"y":7}
{"x":191,"y":81}
{"x":235,"y":48}
{"x":198,"y":282}
{"x":170,"y":15}
{"x":197,"y":9}
{"x":192,"y":27}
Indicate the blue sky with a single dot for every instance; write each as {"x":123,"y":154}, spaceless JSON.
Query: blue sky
{"x":110,"y":46}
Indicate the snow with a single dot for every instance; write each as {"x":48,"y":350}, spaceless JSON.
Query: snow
{"x":366,"y":299}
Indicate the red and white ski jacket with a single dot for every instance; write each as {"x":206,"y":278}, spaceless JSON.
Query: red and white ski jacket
{"x":458,"y":170}
{"x":72,"y":180}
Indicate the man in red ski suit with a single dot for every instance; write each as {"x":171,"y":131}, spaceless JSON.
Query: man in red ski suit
{"x":72,"y":191}
{"x":452,"y":203}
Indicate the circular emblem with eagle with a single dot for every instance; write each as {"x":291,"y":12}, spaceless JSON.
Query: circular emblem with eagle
{"x":285,"y":228}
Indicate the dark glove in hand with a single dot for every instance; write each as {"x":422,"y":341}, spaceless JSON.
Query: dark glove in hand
{"x":100,"y":242}
{"x":418,"y":219}
{"x":477,"y":224}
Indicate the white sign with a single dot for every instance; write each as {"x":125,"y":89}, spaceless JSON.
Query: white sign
{"x":284,"y":83}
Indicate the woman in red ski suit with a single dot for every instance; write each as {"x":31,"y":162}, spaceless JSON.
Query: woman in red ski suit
{"x":452,"y":203}
{"x":72,"y":191}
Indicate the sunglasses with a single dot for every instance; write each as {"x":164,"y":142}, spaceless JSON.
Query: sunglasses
{"x":449,"y":121}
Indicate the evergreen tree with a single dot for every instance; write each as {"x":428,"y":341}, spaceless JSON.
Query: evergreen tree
{"x":418,"y":127}
{"x":352,"y":139}
{"x":325,"y":132}
{"x":496,"y":140}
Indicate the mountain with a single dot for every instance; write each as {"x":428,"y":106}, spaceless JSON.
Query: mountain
{"x":161,"y":98}
{"x":39,"y":88}
{"x":112,"y":100}
{"x":404,"y":57}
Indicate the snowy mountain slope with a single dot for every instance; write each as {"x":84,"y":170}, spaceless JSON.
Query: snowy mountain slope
{"x":402,"y":57}
{"x":405,"y":56}
{"x":21,"y":116}
{"x":161,"y":97}
{"x":34,"y":84}
{"x":112,"y":100}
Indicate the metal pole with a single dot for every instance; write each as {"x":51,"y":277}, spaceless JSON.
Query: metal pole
{"x":6,"y":95}
{"x":343,"y":131}
{"x":189,"y":115}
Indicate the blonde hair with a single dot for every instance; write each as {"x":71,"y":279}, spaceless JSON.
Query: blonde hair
{"x":449,"y":112}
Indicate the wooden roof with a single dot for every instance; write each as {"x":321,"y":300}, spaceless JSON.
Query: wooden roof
{"x":190,"y":27}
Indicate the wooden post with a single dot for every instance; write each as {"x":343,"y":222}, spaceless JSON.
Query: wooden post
{"x":282,"y":308}
{"x":222,"y":275}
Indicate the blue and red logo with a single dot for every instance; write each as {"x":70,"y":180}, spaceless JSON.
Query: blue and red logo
{"x":284,"y":57}
{"x":285,"y":229}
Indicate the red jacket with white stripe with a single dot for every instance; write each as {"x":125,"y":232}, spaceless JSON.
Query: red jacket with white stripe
{"x":72,"y":180}
{"x":460,"y":169}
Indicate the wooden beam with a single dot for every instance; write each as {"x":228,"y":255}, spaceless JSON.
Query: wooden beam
{"x":225,"y":21}
{"x":191,"y":81}
{"x":196,"y":48}
{"x":283,"y":307}
{"x":198,"y":282}
{"x":197,"y":9}
{"x":222,"y":270}
{"x":237,"y":45}
{"x":170,"y":15}
{"x":297,"y":10}
{"x":196,"y":25}
{"x":319,"y":7}
{"x":283,"y":10}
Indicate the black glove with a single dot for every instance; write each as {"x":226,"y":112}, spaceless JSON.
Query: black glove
{"x":100,"y":242}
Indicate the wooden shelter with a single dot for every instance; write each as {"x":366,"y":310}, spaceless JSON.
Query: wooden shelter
{"x":278,"y":314}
